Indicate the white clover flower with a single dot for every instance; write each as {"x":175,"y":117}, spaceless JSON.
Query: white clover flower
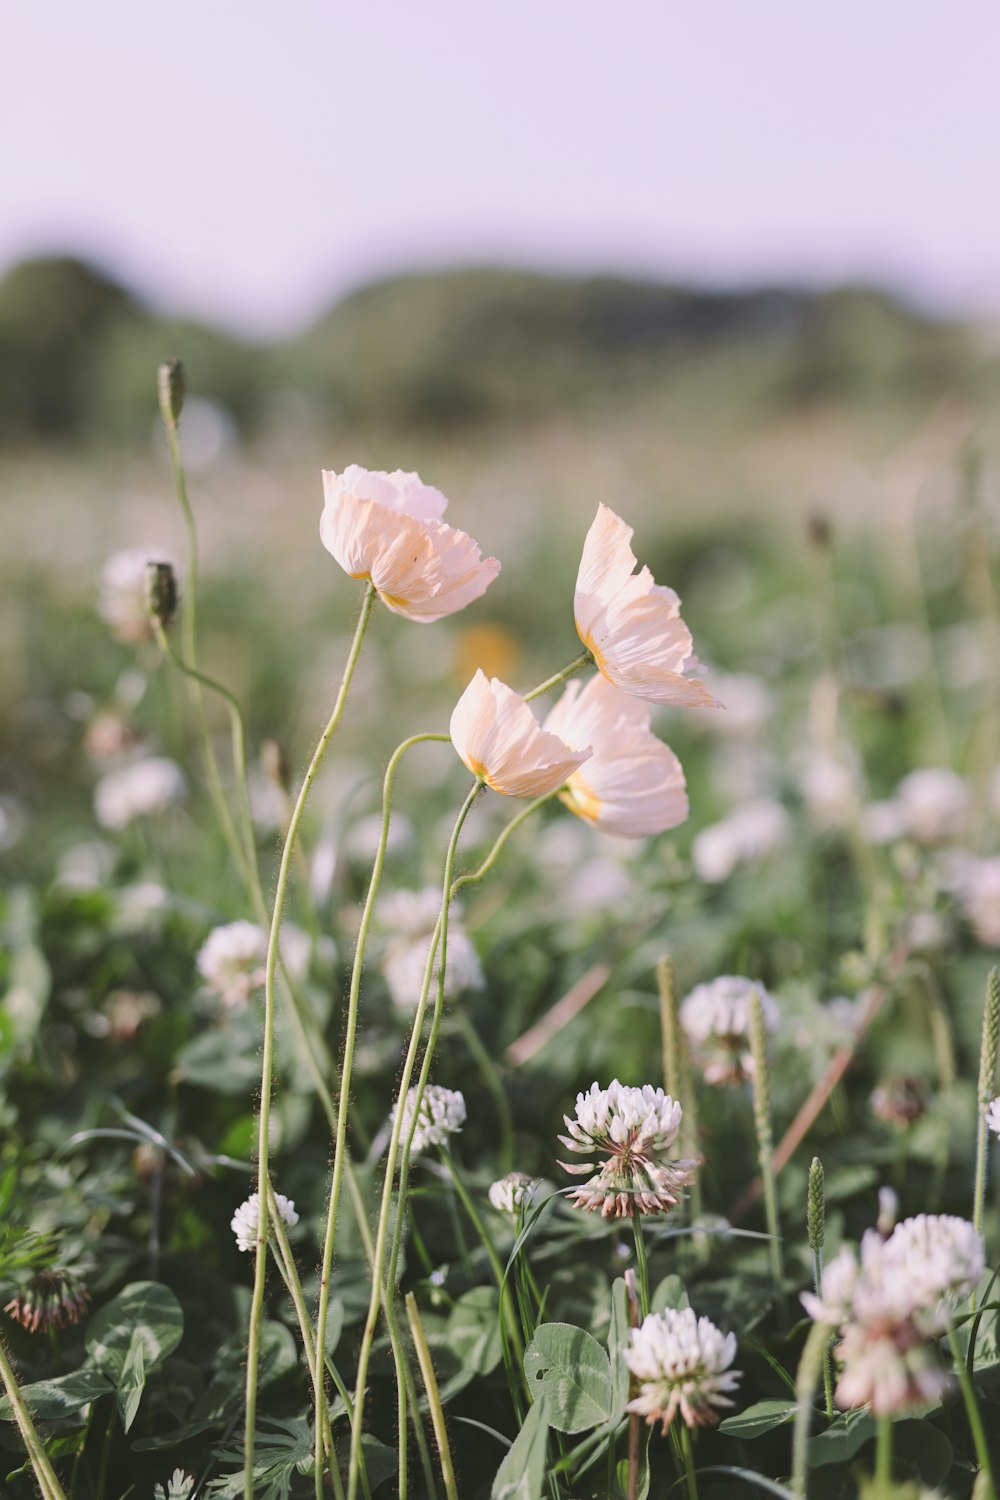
{"x":939,"y":1256}
{"x":884,"y":822}
{"x":935,"y":805}
{"x":246,"y":1219}
{"x":682,"y":1365}
{"x":512,"y":1193}
{"x":716,"y":1020}
{"x":231,"y":961}
{"x":410,"y":918}
{"x":628,"y":1133}
{"x":891,"y":1372}
{"x":122,"y":592}
{"x":978,"y":889}
{"x":442,"y":1114}
{"x":745,"y":837}
{"x":146,"y":787}
{"x":747,"y":703}
{"x":178,"y":1487}
{"x":993,"y":1116}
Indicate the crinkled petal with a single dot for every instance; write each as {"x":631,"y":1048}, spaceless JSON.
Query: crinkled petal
{"x":500,"y":740}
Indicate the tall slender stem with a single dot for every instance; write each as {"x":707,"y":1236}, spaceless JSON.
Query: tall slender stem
{"x":433,"y":1397}
{"x":382,"y":1231}
{"x":45,"y":1474}
{"x":972,"y":1410}
{"x":575,"y":665}
{"x":883,"y":1449}
{"x":267,"y":1060}
{"x":350,"y":1034}
{"x":984,"y":1095}
{"x":806,"y":1380}
{"x":691,"y":1484}
{"x":641,"y":1262}
{"x":507,"y":1308}
{"x":765,"y":1143}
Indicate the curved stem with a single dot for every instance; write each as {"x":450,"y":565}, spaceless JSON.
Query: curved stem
{"x":45,"y":1474}
{"x":576,"y":665}
{"x":382,"y":1232}
{"x":807,"y":1378}
{"x":350,"y":1033}
{"x":972,"y":1410}
{"x":267,"y":1060}
{"x":641,"y":1262}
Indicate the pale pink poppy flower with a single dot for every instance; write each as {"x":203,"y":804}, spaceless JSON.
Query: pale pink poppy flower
{"x":633,"y":784}
{"x":387,"y":528}
{"x":632,"y":626}
{"x":501,"y":741}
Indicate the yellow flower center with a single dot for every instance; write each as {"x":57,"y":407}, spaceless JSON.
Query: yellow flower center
{"x":581,"y":798}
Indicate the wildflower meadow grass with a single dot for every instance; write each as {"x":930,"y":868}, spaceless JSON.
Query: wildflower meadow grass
{"x":421,"y":1079}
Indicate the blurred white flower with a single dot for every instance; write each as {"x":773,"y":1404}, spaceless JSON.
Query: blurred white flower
{"x":829,"y":789}
{"x":512,"y":1193}
{"x":442,"y":1114}
{"x":886,"y":1372}
{"x":746,"y":706}
{"x":884,"y":822}
{"x":628,"y":1133}
{"x":231,"y":961}
{"x":744,"y":837}
{"x":993,"y":1116}
{"x":682,"y":1364}
{"x":121,"y":600}
{"x":935,"y":805}
{"x":716,"y":1020}
{"x":142,"y":789}
{"x":246,"y":1219}
{"x":978,"y":891}
{"x":939,"y":1256}
{"x":409,"y":917}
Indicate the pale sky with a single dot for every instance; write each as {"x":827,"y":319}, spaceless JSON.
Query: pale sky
{"x":246,"y":161}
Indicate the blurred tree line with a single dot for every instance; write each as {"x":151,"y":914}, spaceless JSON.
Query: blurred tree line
{"x":471,"y":346}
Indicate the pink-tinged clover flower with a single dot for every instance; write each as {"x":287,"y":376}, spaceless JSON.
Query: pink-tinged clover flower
{"x":388,"y":529}
{"x":633,"y":784}
{"x":629,"y":1134}
{"x":632,"y":626}
{"x":682,"y":1363}
{"x":500,"y":740}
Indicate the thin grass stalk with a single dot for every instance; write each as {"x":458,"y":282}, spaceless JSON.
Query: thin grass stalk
{"x":816,"y":1236}
{"x":493,"y":1084}
{"x":41,"y":1464}
{"x":806,"y":1380}
{"x":433,"y":1397}
{"x":267,"y":1061}
{"x":883,"y":1449}
{"x":972,"y":1411}
{"x":984,"y":1092}
{"x":765,"y":1141}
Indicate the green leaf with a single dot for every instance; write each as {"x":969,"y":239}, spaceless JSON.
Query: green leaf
{"x":924,"y":1450}
{"x":145,"y":1312}
{"x":750,"y":1477}
{"x":618,"y":1342}
{"x":671,"y":1293}
{"x":473,"y":1331}
{"x":224,"y":1059}
{"x":521,"y":1476}
{"x":132,"y":1381}
{"x":762,"y":1417}
{"x":845,"y":1437}
{"x":570,"y":1370}
{"x":49,"y":1400}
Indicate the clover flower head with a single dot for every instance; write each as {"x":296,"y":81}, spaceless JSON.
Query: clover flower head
{"x":628,"y":1133}
{"x":934,"y":803}
{"x":410,"y":918}
{"x":512,"y":1193}
{"x":682,"y":1363}
{"x":442,"y":1114}
{"x":146,"y":787}
{"x":53,"y":1298}
{"x":891,"y":1372}
{"x":746,"y":836}
{"x":978,"y":890}
{"x":993,"y":1116}
{"x":939,"y":1256}
{"x":246,"y":1219}
{"x":716,"y":1020}
{"x":231,"y":961}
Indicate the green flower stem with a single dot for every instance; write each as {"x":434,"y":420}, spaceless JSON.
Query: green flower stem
{"x":267,"y":1061}
{"x":433,"y":1397}
{"x":641,"y":1262}
{"x":765,"y":1143}
{"x":340,"y":1153}
{"x":576,"y":665}
{"x":691,"y":1484}
{"x":41,"y":1464}
{"x":987,"y":1081}
{"x":190,"y":651}
{"x":972,"y":1409}
{"x":382,"y":1231}
{"x":883,"y":1449}
{"x":496,"y":1266}
{"x":806,"y":1380}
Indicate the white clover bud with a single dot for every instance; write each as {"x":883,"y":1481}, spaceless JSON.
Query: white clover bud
{"x":246,"y":1219}
{"x":716,"y":1020}
{"x":628,"y":1133}
{"x":512,"y":1193}
{"x":442,"y":1114}
{"x":682,"y":1365}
